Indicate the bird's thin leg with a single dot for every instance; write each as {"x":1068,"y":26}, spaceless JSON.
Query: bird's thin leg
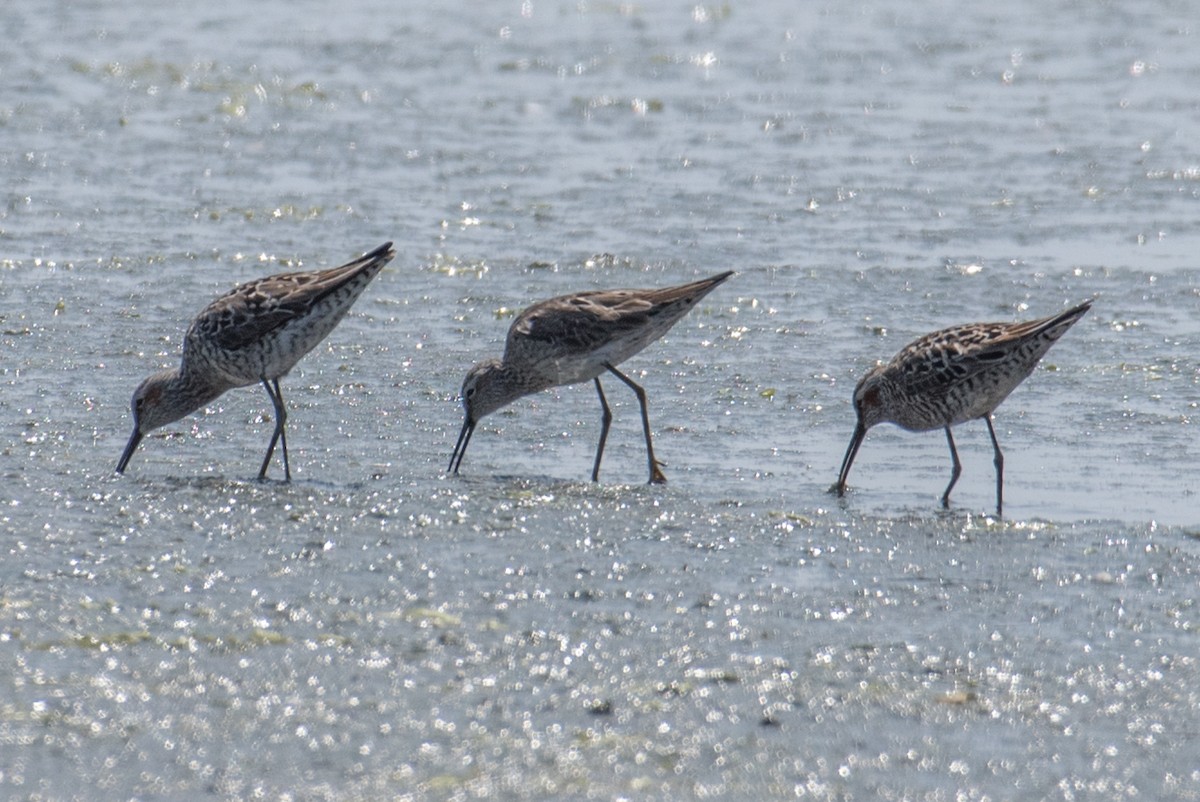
{"x":279,"y":436}
{"x":954,"y":471}
{"x":605,"y":422}
{"x":656,"y":474}
{"x":999,"y":463}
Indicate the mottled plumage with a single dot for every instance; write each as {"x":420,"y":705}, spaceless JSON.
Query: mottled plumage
{"x":255,"y":333}
{"x":954,"y":375}
{"x":575,"y":338}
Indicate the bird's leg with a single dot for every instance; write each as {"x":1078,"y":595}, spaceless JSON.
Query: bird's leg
{"x":999,"y":463}
{"x":656,"y":474}
{"x":605,"y":422}
{"x":279,"y":435}
{"x":954,"y":471}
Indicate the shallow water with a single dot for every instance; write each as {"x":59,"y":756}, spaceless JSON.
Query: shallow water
{"x":377,"y":630}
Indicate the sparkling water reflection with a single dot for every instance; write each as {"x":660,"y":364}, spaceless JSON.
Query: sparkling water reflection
{"x":376,"y":630}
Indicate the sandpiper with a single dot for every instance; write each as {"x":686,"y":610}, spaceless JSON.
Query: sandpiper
{"x":950,"y":376}
{"x":255,"y":333}
{"x":571,"y":339}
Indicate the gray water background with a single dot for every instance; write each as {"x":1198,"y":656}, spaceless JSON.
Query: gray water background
{"x":376,"y":630}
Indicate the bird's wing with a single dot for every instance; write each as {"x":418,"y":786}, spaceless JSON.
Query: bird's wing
{"x":943,"y":360}
{"x":583,"y":322}
{"x":949,"y":357}
{"x":253,"y":310}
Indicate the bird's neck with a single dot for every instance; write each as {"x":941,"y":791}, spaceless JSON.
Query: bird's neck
{"x":191,"y":389}
{"x":500,"y":385}
{"x":515,"y":383}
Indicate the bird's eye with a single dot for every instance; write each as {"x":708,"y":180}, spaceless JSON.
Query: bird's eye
{"x":470,"y":391}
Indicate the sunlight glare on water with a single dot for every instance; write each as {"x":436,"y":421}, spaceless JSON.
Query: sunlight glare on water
{"x":378,"y":630}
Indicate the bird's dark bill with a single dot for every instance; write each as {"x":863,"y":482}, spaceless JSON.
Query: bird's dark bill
{"x":134,"y":439}
{"x":860,"y":433}
{"x":460,"y":448}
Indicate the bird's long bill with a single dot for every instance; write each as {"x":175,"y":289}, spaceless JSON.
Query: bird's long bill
{"x":460,"y":448}
{"x":860,"y":434}
{"x":134,"y":439}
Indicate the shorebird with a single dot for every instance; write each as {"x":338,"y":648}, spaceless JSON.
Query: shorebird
{"x":571,"y":339}
{"x":253,"y":334}
{"x":950,"y":376}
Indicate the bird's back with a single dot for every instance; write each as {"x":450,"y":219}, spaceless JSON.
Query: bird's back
{"x":571,"y":338}
{"x":965,"y":372}
{"x":262,"y":328}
